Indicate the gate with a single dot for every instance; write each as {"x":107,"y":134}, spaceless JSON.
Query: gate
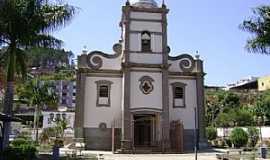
{"x":116,"y":135}
{"x":176,"y":136}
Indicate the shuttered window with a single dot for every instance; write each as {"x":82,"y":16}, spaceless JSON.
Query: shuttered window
{"x":104,"y":91}
{"x":178,"y":93}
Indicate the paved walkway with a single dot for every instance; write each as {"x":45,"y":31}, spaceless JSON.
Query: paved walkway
{"x":201,"y":156}
{"x":110,"y":156}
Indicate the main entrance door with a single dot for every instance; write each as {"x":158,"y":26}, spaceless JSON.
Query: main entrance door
{"x":143,"y":130}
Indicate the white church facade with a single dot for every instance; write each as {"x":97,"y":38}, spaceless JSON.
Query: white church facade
{"x":133,"y":98}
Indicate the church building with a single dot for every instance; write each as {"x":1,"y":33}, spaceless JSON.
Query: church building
{"x":140,"y":96}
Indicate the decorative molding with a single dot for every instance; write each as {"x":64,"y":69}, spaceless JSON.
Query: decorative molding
{"x":94,"y":58}
{"x":149,"y":10}
{"x":186,"y":62}
{"x":94,"y":61}
{"x":178,"y":84}
{"x":182,"y":77}
{"x":103,"y":83}
{"x":152,"y":33}
{"x":146,"y":85}
{"x":104,"y":75}
{"x":190,"y":74}
{"x":168,"y":49}
{"x":102,"y":126}
{"x":147,"y":20}
{"x":142,"y":52}
{"x":144,"y":70}
{"x":183,"y":86}
{"x":102,"y":71}
{"x":142,"y":65}
{"x":146,"y":109}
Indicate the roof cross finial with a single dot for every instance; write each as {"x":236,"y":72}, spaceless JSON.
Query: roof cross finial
{"x":127,"y":3}
{"x":163,"y":4}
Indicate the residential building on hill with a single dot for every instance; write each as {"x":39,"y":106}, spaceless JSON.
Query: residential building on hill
{"x":66,"y":91}
{"x":264,"y":83}
{"x":250,"y":83}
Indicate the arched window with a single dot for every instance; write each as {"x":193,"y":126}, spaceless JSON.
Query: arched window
{"x":146,"y":41}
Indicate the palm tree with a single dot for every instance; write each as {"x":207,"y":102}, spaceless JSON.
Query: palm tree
{"x":259,"y":27}
{"x":25,"y":24}
{"x":39,"y":94}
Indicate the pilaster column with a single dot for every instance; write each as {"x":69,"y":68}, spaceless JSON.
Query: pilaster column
{"x":126,"y":115}
{"x":79,"y":110}
{"x":201,"y":106}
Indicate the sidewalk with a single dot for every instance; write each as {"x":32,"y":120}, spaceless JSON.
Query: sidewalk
{"x":110,"y":156}
{"x":201,"y":156}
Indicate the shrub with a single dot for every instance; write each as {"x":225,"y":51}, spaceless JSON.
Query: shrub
{"x":239,"y":137}
{"x":18,"y":142}
{"x":20,"y":149}
{"x":211,"y":133}
{"x":228,"y":142}
{"x":253,"y":134}
{"x":24,"y":152}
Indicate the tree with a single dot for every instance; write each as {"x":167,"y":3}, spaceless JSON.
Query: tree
{"x":259,"y":27}
{"x":43,"y":57}
{"x":224,"y":120}
{"x":218,"y":102}
{"x":229,"y":100}
{"x":39,"y":94}
{"x":25,"y":24}
{"x":242,"y":117}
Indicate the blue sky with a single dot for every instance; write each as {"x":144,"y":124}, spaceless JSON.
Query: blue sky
{"x":209,"y":26}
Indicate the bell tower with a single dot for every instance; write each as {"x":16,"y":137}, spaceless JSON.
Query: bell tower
{"x":145,"y":66}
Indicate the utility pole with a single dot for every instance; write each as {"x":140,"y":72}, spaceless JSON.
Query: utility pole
{"x":195,"y":134}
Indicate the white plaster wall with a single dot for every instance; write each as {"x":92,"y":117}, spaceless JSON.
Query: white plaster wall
{"x":145,"y":15}
{"x":140,"y":100}
{"x":146,"y":58}
{"x":146,"y":26}
{"x":135,"y":42}
{"x":221,"y":132}
{"x":156,"y":43}
{"x":94,"y":115}
{"x":113,"y":64}
{"x":186,"y":115}
{"x":174,"y":66}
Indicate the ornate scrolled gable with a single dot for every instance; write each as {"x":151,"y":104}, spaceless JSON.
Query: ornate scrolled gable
{"x":95,"y":58}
